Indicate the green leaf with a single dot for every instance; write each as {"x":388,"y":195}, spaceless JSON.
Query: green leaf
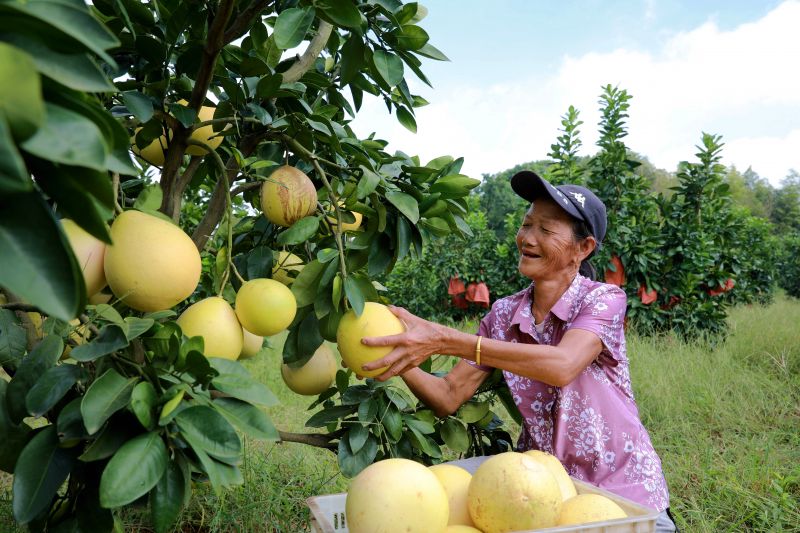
{"x":405,"y":203}
{"x":143,"y":404}
{"x":40,"y":470}
{"x":354,"y":295}
{"x":13,"y":175}
{"x":329,"y":414}
{"x":352,"y":57}
{"x":300,"y":231}
{"x":367,"y":184}
{"x":117,"y":432}
{"x":149,"y":199}
{"x":105,"y":396}
{"x":367,"y":411}
{"x":292,"y":26}
{"x":350,"y":462}
{"x":247,"y":418}
{"x":304,"y":287}
{"x":472,"y":412}
{"x":21,"y":101}
{"x":268,"y":86}
{"x":135,"y":469}
{"x":70,"y":423}
{"x":343,"y":13}
{"x":38,"y":264}
{"x":411,"y":37}
{"x":42,"y":357}
{"x":234,"y":380}
{"x":51,"y":387}
{"x":15,"y":436}
{"x":455,"y":435}
{"x":210,"y":430}
{"x":259,"y":262}
{"x":137,"y":326}
{"x":13,"y":340}
{"x":393,"y":423}
{"x":68,"y":137}
{"x":139,"y":105}
{"x":406,"y":118}
{"x":106,"y":312}
{"x":388,"y":66}
{"x":110,"y":339}
{"x":167,"y":497}
{"x":357,"y":436}
{"x":428,"y":50}
{"x":454,"y":186}
{"x":76,"y":71}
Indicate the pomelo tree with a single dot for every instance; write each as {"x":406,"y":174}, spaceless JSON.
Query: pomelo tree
{"x":182,"y":111}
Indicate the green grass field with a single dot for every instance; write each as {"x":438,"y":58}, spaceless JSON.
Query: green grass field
{"x":725,"y":420}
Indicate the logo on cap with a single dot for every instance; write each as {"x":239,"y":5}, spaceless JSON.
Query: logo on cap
{"x":579,"y":197}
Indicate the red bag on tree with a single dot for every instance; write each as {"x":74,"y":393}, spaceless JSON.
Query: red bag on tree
{"x":729,"y":284}
{"x":456,"y":286}
{"x":478,"y":293}
{"x":459,"y":301}
{"x":616,"y":277}
{"x":647,"y":297}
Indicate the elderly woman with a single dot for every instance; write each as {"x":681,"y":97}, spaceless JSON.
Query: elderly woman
{"x":561,"y":346}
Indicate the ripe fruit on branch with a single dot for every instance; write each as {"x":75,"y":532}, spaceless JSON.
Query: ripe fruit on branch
{"x":251,"y":344}
{"x":315,"y":376}
{"x":288,"y":196}
{"x":89,"y":252}
{"x":346,"y":226}
{"x":265,"y":306}
{"x":152,"y":264}
{"x":375,"y":321}
{"x":285,"y":263}
{"x":213,"y":319}
{"x":394,"y":496}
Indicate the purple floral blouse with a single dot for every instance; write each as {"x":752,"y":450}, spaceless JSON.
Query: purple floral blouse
{"x":592,"y":425}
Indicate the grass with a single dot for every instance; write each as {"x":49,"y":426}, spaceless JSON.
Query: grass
{"x":725,"y":420}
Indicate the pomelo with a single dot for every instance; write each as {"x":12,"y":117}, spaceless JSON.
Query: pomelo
{"x":585,"y":508}
{"x":552,"y":463}
{"x":89,"y":252}
{"x":251,"y":344}
{"x":213,"y":319}
{"x":455,"y":481}
{"x":287,"y":196}
{"x":265,"y":306}
{"x":152,"y":264}
{"x":396,"y":496}
{"x":286,"y":267}
{"x":315,"y":376}
{"x":375,"y":321}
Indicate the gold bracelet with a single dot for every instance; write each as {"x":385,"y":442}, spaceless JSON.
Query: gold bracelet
{"x":478,"y":351}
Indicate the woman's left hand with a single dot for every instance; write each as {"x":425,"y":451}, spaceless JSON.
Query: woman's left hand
{"x":411,"y":348}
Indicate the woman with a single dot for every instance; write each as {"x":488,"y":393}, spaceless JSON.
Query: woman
{"x":561,"y":346}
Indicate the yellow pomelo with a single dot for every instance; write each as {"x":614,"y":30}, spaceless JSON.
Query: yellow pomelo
{"x":346,"y":226}
{"x":585,"y":508}
{"x":89,"y":252}
{"x":154,"y":152}
{"x":79,"y":334}
{"x":205,"y":134}
{"x":315,"y":376}
{"x":265,"y":306}
{"x":251,"y":345}
{"x":375,"y":321}
{"x":37,"y":321}
{"x":101,"y":297}
{"x":152,"y":264}
{"x":213,"y":319}
{"x":512,"y":492}
{"x":552,"y":463}
{"x":396,"y":496}
{"x":284,"y":264}
{"x":288,"y":196}
{"x":455,"y":481}
{"x":458,"y":528}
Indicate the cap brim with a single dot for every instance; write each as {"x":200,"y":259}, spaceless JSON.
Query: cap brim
{"x":530,"y":186}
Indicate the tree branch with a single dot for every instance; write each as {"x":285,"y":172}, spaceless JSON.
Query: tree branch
{"x":245,"y":187}
{"x":320,"y":440}
{"x":244,"y":20}
{"x":317,"y":44}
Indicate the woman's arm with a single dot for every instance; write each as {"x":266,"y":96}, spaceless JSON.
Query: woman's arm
{"x":446,"y":394}
{"x":554,"y":365}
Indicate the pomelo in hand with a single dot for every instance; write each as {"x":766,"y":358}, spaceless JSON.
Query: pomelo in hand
{"x":455,"y":481}
{"x":152,"y":264}
{"x":512,"y":492}
{"x":314,"y":377}
{"x":585,"y":508}
{"x":213,"y":319}
{"x":375,"y":321}
{"x":265,"y":306}
{"x":287,"y":196}
{"x":396,"y":496}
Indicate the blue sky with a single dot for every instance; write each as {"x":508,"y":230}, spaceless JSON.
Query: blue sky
{"x":729,"y":68}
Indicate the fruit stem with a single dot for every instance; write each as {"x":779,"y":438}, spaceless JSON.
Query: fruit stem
{"x":115,"y":188}
{"x":236,"y":272}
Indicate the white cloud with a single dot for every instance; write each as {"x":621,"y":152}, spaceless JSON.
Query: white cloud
{"x":742,"y":84}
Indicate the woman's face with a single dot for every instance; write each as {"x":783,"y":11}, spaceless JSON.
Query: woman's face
{"x":545,"y":241}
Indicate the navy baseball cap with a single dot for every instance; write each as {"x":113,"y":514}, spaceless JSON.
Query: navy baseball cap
{"x":579,"y":202}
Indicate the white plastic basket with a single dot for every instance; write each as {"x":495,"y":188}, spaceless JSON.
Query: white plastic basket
{"x":328,"y":511}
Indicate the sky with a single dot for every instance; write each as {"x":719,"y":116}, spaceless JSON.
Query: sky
{"x":727,"y":67}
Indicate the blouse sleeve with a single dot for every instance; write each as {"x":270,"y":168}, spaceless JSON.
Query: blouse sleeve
{"x":603,"y":313}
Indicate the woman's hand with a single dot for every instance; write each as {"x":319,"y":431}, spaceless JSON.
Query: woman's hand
{"x":420,"y":340}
